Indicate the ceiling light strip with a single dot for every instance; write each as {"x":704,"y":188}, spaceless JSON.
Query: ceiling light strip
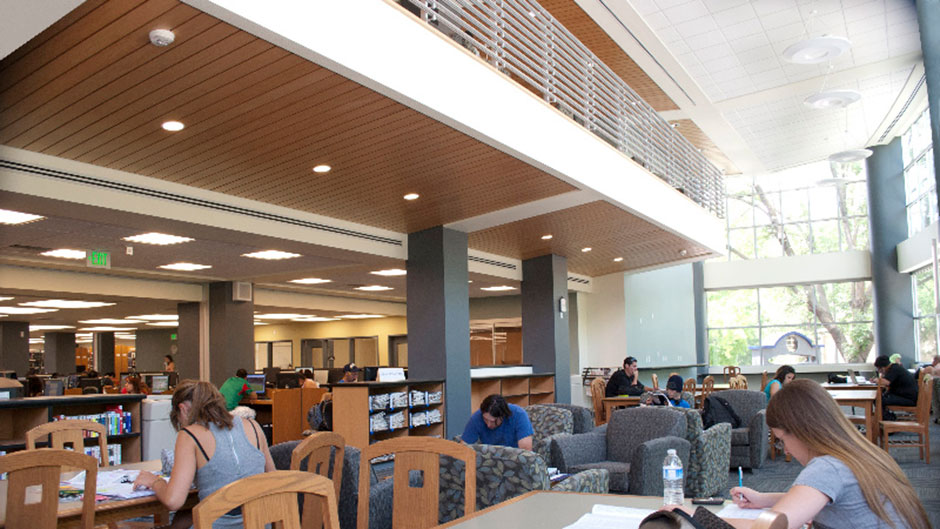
{"x":138,"y":190}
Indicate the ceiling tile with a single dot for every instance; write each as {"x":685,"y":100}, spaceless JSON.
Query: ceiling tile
{"x":748,"y":43}
{"x":766,"y":7}
{"x":696,"y":27}
{"x":713,"y":52}
{"x":657,"y":21}
{"x":719,"y":65}
{"x":704,"y":40}
{"x":735,"y":15}
{"x":685,"y":12}
{"x":787,"y":34}
{"x":645,"y":7}
{"x":717,"y":6}
{"x":866,"y":10}
{"x":780,"y":18}
{"x":742,"y":29}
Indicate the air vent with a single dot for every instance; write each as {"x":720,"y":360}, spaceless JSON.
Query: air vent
{"x":28,"y":248}
{"x":491,"y":262}
{"x":579,"y":280}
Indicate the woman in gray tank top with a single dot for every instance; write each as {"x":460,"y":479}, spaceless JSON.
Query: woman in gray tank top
{"x":213,"y":449}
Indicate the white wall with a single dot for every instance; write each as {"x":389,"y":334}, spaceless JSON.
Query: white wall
{"x":604,"y":333}
{"x":818,"y":268}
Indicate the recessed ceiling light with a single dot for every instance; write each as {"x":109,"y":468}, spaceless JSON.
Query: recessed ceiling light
{"x":832,"y":99}
{"x":501,"y":288}
{"x":154,"y":317}
{"x":65,"y":253}
{"x":260,"y":323}
{"x":586,"y":249}
{"x":322,"y":168}
{"x":310,"y":281}
{"x":107,"y":329}
{"x":373,"y":288}
{"x":110,"y":321}
{"x":24,"y":310}
{"x":83,"y":335}
{"x":683,"y":252}
{"x":618,"y":259}
{"x":817,"y":49}
{"x":162,"y":37}
{"x":547,"y":237}
{"x":66,"y":304}
{"x":271,"y":255}
{"x":278,"y":316}
{"x":161,"y":239}
{"x":308,"y":319}
{"x":125,"y":336}
{"x":411,"y":196}
{"x":184,"y":267}
{"x":173,"y":126}
{"x":15,"y":217}
{"x":391,"y":272}
{"x":84,"y":340}
{"x":34,"y":328}
{"x":163,"y":324}
{"x":37,"y":340}
{"x":361,"y":316}
{"x":674,"y":125}
{"x":6,"y":298}
{"x":853,"y":155}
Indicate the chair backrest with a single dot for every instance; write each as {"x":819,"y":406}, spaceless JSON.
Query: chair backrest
{"x":43,"y":467}
{"x":546,"y":422}
{"x":70,"y":433}
{"x":708,"y":386}
{"x":323,"y":452}
{"x":924,"y":397}
{"x":655,"y":379}
{"x":745,"y":403}
{"x":504,"y":472}
{"x":268,"y":498}
{"x":730,"y":371}
{"x":598,"y":389}
{"x":738,"y":382}
{"x":689,"y":386}
{"x":764,"y":378}
{"x":583,"y":417}
{"x":631,"y":427}
{"x":416,"y":474}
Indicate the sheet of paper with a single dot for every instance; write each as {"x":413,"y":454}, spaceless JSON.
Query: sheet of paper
{"x":733,"y":511}
{"x":115,"y":483}
{"x":611,"y":517}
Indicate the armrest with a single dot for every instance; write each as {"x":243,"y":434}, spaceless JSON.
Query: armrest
{"x":577,"y":449}
{"x":592,"y":481}
{"x":544,"y":448}
{"x":758,"y":438}
{"x":646,"y":465}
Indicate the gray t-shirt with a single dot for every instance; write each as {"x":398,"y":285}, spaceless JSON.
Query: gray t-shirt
{"x":847,"y":507}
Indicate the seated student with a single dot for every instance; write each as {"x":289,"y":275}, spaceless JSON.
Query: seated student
{"x":350,"y":373}
{"x":933,"y":368}
{"x":235,"y":388}
{"x":674,"y":392}
{"x":625,"y":381}
{"x":901,"y":388}
{"x":499,"y":423}
{"x":309,"y":382}
{"x":134,"y":385}
{"x":784,"y":375}
{"x":34,"y":386}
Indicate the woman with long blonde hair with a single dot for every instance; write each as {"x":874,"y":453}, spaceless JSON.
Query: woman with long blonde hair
{"x":846,"y":481}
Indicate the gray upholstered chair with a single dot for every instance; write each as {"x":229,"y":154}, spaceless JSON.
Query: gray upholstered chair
{"x":706,"y":471}
{"x":546,"y":422}
{"x":751,"y":440}
{"x":583,"y":417}
{"x":632,"y":448}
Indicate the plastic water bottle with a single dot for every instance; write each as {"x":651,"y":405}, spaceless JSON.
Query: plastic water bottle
{"x":672,"y":479}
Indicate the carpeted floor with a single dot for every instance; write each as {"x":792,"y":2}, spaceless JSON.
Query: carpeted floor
{"x":776,"y":476}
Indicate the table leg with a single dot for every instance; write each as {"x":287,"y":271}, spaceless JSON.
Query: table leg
{"x":870,"y":425}
{"x":608,"y":407}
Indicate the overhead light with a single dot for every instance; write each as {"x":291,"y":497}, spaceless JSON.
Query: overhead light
{"x":586,"y":249}
{"x":25,"y":310}
{"x":322,"y":168}
{"x":501,"y":288}
{"x":173,"y":126}
{"x":161,"y":239}
{"x":271,"y":255}
{"x":164,"y":324}
{"x":674,"y":125}
{"x":35,"y":328}
{"x":391,"y":272}
{"x":125,"y":336}
{"x":374,"y":288}
{"x":683,"y":252}
{"x":184,"y":267}
{"x":832,"y":99}
{"x":15,"y":217}
{"x":260,"y":323}
{"x":110,"y":321}
{"x":162,"y":37}
{"x":84,"y":340}
{"x":307,"y":319}
{"x":66,"y":304}
{"x":618,"y":259}
{"x":108,"y":329}
{"x":411,"y":196}
{"x":154,"y":317}
{"x":310,"y":281}
{"x":852,"y":155}
{"x":83,"y":335}
{"x":6,"y":298}
{"x":361,"y":316}
{"x":37,"y":340}
{"x":816,"y":50}
{"x":65,"y":253}
{"x":278,"y":316}
{"x":547,"y":237}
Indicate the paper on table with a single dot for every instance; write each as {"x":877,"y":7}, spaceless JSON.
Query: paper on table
{"x":116,"y":483}
{"x":611,"y":517}
{"x":733,"y":511}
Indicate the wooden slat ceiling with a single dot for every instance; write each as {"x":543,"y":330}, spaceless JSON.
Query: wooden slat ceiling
{"x":91,"y":88}
{"x":700,"y":140}
{"x":611,"y":235}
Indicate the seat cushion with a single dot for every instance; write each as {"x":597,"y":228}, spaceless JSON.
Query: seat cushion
{"x":740,"y":436}
{"x":619,"y":473}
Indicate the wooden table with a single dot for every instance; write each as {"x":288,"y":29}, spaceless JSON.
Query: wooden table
{"x":847,"y":385}
{"x":70,"y":513}
{"x":615,"y":402}
{"x":865,"y":399}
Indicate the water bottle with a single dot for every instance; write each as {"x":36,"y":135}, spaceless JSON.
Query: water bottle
{"x":672,"y":479}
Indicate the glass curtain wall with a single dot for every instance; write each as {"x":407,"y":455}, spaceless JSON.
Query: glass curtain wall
{"x":920,"y":188}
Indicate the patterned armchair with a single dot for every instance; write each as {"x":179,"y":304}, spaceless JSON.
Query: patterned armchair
{"x":546,"y":422}
{"x":706,"y":472}
{"x":583,"y":417}
{"x":750,"y":441}
{"x":631,"y":448}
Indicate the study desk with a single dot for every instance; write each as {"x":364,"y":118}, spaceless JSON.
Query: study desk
{"x":615,"y":402}
{"x":848,"y":385}
{"x":70,"y":513}
{"x":865,"y":399}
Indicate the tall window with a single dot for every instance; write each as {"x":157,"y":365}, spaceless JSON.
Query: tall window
{"x":919,"y":184}
{"x":925,"y":314}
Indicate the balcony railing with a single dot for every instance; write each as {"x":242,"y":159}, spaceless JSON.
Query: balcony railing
{"x":522,"y":40}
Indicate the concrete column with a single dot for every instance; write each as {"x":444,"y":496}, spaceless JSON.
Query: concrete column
{"x":231,"y":333}
{"x":545,"y":331}
{"x":187,"y":341}
{"x":103,"y":346}
{"x":60,"y":352}
{"x":151,"y":345}
{"x":887,"y":220}
{"x":439,"y":318}
{"x":14,"y":346}
{"x":701,"y":322}
{"x":928,"y":20}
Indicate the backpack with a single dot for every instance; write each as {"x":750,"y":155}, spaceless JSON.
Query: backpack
{"x":718,"y":410}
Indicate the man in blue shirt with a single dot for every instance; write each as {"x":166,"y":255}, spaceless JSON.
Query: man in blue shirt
{"x":499,"y":423}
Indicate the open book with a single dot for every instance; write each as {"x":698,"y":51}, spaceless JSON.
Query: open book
{"x":611,"y":517}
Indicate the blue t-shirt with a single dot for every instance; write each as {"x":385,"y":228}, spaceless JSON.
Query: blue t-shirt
{"x":770,"y":385}
{"x":681,"y":403}
{"x":513,"y":428}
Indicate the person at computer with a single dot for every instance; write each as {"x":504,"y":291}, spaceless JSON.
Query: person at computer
{"x":499,"y":423}
{"x":235,"y":389}
{"x":625,"y":381}
{"x":899,"y":386}
{"x":309,"y":382}
{"x":213,"y":448}
{"x":350,"y":373}
{"x":34,"y":386}
{"x":168,"y":363}
{"x":783,"y":376}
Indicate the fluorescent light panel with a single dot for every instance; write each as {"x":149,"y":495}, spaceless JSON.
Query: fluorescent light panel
{"x":110,"y":321}
{"x":65,"y":253}
{"x":184,"y":267}
{"x":160,"y":239}
{"x":306,"y":319}
{"x":500,"y":288}
{"x":360,"y":316}
{"x":34,"y":328}
{"x":66,"y":304}
{"x":154,"y":317}
{"x":278,"y":316}
{"x":25,"y":310}
{"x":391,"y":272}
{"x":105,"y":328}
{"x":271,"y":255}
{"x":374,"y":288}
{"x":15,"y":217}
{"x":311,"y":281}
{"x":163,"y":324}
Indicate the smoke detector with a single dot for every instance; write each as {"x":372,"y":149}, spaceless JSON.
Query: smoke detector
{"x":161,"y":37}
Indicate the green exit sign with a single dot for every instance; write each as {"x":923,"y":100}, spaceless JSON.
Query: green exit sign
{"x":98,"y":259}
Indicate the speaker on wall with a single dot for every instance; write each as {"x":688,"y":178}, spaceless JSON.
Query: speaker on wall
{"x":241,"y":291}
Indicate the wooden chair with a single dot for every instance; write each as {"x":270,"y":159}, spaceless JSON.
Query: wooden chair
{"x":738,"y":382}
{"x":322,"y":451}
{"x":598,"y":390}
{"x":43,"y":467}
{"x":416,"y":507}
{"x":69,"y":433}
{"x":268,"y":498}
{"x":730,"y":371}
{"x":655,"y":378}
{"x":764,"y":379}
{"x":920,"y":425}
{"x":689,"y":387}
{"x":708,"y":386}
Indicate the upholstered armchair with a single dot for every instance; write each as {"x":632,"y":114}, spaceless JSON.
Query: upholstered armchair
{"x":632,"y":448}
{"x":750,"y":441}
{"x":706,"y":471}
{"x":546,"y":422}
{"x":583,"y":417}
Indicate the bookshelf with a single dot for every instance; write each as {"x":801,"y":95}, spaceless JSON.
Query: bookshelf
{"x":366,"y":412}
{"x":521,"y":390}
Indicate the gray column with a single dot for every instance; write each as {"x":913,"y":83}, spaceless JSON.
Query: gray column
{"x":439,"y":318}
{"x":151,"y":345}
{"x":887,"y":219}
{"x":103,"y":346}
{"x":60,"y":352}
{"x":231,"y":333}
{"x":544,"y":327}
{"x":14,"y":346}
{"x":928,"y":20}
{"x":701,"y":323}
{"x":187,"y":341}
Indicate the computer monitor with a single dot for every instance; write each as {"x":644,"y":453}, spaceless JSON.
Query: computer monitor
{"x":90,"y":382}
{"x":288,"y":379}
{"x":159,"y":383}
{"x":256,"y":383}
{"x":335,"y":375}
{"x":369,"y":373}
{"x":53,"y":387}
{"x":270,"y":376}
{"x":321,"y":376}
